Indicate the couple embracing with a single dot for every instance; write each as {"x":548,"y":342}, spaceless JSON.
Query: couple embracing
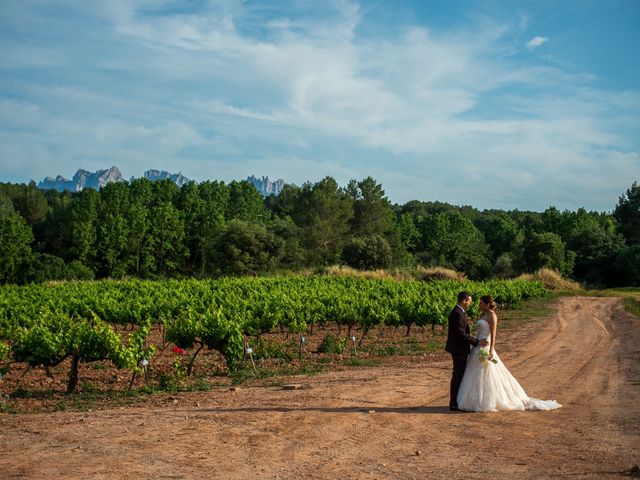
{"x":480,"y":382}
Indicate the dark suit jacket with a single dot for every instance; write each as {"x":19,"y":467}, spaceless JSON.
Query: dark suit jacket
{"x":459,"y":340}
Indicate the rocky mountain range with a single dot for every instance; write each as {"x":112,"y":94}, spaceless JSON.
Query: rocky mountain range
{"x":265,"y":186}
{"x":82,"y":179}
{"x":96,"y":180}
{"x":177,"y":178}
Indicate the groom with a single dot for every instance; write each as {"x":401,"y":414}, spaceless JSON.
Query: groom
{"x":459,"y":343}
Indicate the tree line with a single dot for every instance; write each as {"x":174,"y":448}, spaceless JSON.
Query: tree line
{"x":151,"y":229}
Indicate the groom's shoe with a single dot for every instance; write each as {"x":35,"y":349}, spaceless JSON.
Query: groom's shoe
{"x":454,"y":409}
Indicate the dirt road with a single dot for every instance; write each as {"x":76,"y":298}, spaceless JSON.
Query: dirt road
{"x":372,"y":423}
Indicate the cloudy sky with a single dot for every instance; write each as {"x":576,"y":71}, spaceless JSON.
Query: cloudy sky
{"x":495,"y":104}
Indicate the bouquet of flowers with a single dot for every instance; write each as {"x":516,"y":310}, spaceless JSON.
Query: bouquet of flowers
{"x":483,"y":356}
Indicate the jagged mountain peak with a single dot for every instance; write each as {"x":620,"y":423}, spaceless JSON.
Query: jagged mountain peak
{"x":265,"y":186}
{"x":82,"y":179}
{"x":85,"y":179}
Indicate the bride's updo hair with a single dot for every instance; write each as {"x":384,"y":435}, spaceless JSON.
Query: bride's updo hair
{"x":488,"y":300}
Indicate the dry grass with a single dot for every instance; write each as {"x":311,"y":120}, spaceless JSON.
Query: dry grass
{"x":398,"y":274}
{"x":438,"y":273}
{"x":552,"y":280}
{"x":344,"y":271}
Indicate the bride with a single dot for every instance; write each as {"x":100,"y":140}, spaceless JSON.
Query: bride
{"x":487,"y":385}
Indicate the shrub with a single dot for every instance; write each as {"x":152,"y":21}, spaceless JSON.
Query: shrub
{"x":330,"y":344}
{"x":369,"y":252}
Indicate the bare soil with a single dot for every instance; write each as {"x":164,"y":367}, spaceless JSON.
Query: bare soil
{"x":388,"y":422}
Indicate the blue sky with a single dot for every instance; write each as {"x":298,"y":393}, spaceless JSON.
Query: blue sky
{"x":495,"y":104}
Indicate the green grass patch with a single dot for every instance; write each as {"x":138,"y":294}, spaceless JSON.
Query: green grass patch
{"x":409,"y":347}
{"x":332,"y":344}
{"x":39,"y":394}
{"x":630,"y":297}
{"x":530,"y":310}
{"x":8,"y":407}
{"x":99,"y":366}
{"x":632,"y":305}
{"x":271,"y":349}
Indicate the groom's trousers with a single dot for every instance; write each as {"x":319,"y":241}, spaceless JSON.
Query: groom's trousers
{"x":459,"y":366}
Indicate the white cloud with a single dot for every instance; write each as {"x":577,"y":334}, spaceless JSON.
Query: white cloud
{"x":535,"y":42}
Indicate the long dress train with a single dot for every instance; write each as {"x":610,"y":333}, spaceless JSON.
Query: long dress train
{"x":490,"y":387}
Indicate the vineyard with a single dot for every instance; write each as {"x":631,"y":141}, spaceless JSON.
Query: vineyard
{"x":129,"y":323}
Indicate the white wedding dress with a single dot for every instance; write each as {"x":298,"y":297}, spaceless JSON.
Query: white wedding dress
{"x":489,"y":387}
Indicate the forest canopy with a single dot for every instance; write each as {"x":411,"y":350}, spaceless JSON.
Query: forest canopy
{"x":156,"y":230}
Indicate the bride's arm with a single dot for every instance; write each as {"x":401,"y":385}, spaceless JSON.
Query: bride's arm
{"x":494,"y":329}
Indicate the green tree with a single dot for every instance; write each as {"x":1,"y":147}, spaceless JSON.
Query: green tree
{"x":53,"y":235}
{"x":323,"y":212}
{"x":204,"y":207}
{"x":31,"y":203}
{"x":76,"y":270}
{"x":418,"y":209}
{"x":164,"y":191}
{"x":141,"y":243}
{"x":285,"y":203}
{"x":292,"y":254}
{"x":450,"y":239}
{"x":548,"y":250}
{"x":168,"y":238}
{"x":192,"y":205}
{"x":503,"y":267}
{"x":246,"y":249}
{"x":627,"y":267}
{"x":245,"y":203}
{"x":6,"y":205}
{"x":113,"y":230}
{"x":372,"y":212}
{"x":596,"y":244}
{"x":84,"y":226}
{"x":208,"y":224}
{"x":552,"y":220}
{"x":501,"y":232}
{"x":42,"y":267}
{"x":15,"y":244}
{"x":113,"y":241}
{"x":409,"y":233}
{"x":368,"y":252}
{"x":627,"y":213}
